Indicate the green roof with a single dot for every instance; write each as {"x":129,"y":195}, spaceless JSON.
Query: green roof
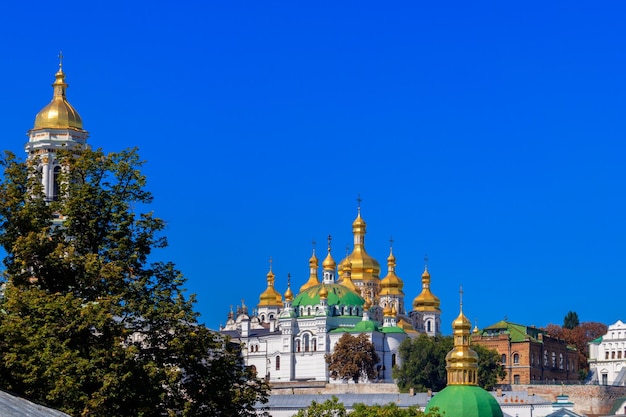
{"x":366,"y":326}
{"x":465,"y":401}
{"x":517,"y":332}
{"x":338,"y":295}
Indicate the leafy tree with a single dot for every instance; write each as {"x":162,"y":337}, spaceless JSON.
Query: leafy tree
{"x":333,"y":408}
{"x":87,"y":324}
{"x":579,"y":337}
{"x":490,"y":369}
{"x":423,"y":362}
{"x":353,"y":358}
{"x":571,"y":320}
{"x":329,"y":408}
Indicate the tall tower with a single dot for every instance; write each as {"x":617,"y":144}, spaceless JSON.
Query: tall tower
{"x":57,"y":126}
{"x":462,"y":395}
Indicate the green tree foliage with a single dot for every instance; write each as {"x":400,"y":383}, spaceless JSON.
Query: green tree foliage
{"x":490,"y":369}
{"x":423,"y":362}
{"x":333,"y":408}
{"x":353,"y":358}
{"x":579,"y":337}
{"x":423,"y":366}
{"x":329,"y":408}
{"x":87,"y":324}
{"x":571,"y":320}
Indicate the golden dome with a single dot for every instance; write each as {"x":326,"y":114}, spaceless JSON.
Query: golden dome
{"x":329,"y":262}
{"x":346,"y":278}
{"x":426,"y":300}
{"x":270,"y":297}
{"x":59,"y":113}
{"x":323,"y":292}
{"x":313,"y":279}
{"x":288,"y":293}
{"x":364,"y":267}
{"x":462,"y":361}
{"x":391,"y":284}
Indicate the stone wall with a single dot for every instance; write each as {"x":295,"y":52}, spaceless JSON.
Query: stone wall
{"x":590,"y":400}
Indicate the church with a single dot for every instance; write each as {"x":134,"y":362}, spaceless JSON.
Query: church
{"x":286,"y":337}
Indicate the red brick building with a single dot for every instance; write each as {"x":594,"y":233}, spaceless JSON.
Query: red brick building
{"x":528,"y":354}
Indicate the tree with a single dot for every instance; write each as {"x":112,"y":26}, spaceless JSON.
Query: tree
{"x":571,"y":320}
{"x":353,"y":358}
{"x":490,"y":369}
{"x":333,"y":408}
{"x":329,"y":408}
{"x":579,"y":337}
{"x":88,"y":326}
{"x":423,"y":362}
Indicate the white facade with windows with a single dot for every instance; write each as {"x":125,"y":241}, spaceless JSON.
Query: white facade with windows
{"x":607,"y":356}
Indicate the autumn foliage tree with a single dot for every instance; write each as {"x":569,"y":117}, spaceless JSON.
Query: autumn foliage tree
{"x":87,"y":324}
{"x":579,"y":337}
{"x":353,"y":358}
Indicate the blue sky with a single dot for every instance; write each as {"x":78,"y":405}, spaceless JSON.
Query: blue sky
{"x":488,"y":135}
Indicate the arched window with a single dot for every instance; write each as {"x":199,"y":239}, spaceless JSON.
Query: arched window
{"x":428,"y":326}
{"x":297,"y":345}
{"x":314,"y":344}
{"x":393,"y":359}
{"x":516,"y":358}
{"x":503,"y":358}
{"x":305,"y":339}
{"x":277,"y":360}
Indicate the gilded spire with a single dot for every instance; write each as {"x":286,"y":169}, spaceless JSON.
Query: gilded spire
{"x":313,"y":267}
{"x":288,"y":293}
{"x":391,"y":284}
{"x":426,"y":300}
{"x":365,"y":269}
{"x":270,"y":297}
{"x":462,"y":361}
{"x":59,"y":113}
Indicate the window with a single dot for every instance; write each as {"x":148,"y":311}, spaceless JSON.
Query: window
{"x":314,"y":344}
{"x":613,"y":355}
{"x":393,"y":359}
{"x":277,"y":360}
{"x":553,"y":360}
{"x":606,"y":354}
{"x":532,"y":360}
{"x":503,"y":359}
{"x":305,"y":339}
{"x":560,"y":361}
{"x":516,"y":358}
{"x":545,"y":358}
{"x":516,"y":379}
{"x":297,"y":345}
{"x":428,"y":326}
{"x":619,"y":354}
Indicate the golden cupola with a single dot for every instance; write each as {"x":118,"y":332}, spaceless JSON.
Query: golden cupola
{"x":346,"y":277}
{"x":462,"y":361}
{"x":426,"y":300}
{"x":289,"y":293}
{"x":313,"y":268}
{"x":270,"y":297}
{"x":391,"y":284}
{"x":365,"y":269}
{"x":59,"y":113}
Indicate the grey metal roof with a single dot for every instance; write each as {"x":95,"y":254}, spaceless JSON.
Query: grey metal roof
{"x":12,"y":406}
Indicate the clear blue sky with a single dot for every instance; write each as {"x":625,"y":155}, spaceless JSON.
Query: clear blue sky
{"x":489,"y":135}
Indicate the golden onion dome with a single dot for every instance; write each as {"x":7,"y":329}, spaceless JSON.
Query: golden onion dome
{"x":270,"y":297}
{"x":289,"y":293}
{"x":364,"y":267}
{"x":323,"y":292}
{"x":426,"y":300}
{"x":329,"y":263}
{"x":59,"y":113}
{"x":313,"y":279}
{"x":346,"y":278}
{"x":391,"y":284}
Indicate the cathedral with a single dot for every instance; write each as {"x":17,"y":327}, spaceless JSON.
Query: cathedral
{"x":286,"y":337}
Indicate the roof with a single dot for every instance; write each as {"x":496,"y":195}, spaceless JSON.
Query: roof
{"x":517,"y":332}
{"x":466,"y":401}
{"x":13,"y":406}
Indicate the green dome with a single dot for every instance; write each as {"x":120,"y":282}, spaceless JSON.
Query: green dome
{"x":338,"y":295}
{"x":465,"y":401}
{"x":366,"y":326}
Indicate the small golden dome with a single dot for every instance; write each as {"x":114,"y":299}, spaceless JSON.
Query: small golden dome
{"x":329,"y":262}
{"x":288,"y":293}
{"x":59,"y":113}
{"x":323,"y":292}
{"x":387,"y":310}
{"x":391,"y":284}
{"x":270,"y":297}
{"x":364,"y":267}
{"x":426,"y":300}
{"x":313,"y":279}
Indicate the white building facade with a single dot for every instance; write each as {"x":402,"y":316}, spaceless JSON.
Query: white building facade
{"x":607,"y":356}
